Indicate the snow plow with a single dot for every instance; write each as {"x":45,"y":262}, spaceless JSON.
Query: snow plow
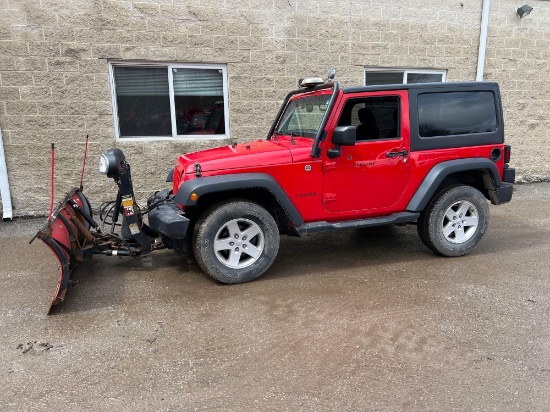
{"x":73,"y":235}
{"x":68,"y":237}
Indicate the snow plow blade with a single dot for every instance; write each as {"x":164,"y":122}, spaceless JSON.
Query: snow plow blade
{"x":67,"y":235}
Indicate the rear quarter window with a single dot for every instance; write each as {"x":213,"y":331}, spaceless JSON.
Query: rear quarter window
{"x":456,"y":113}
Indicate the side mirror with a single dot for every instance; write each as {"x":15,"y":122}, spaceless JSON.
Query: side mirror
{"x":342,"y":136}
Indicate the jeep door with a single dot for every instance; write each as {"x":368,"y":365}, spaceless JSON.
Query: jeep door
{"x":373,"y":173}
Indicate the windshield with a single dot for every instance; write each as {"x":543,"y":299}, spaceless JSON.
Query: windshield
{"x":303,"y":116}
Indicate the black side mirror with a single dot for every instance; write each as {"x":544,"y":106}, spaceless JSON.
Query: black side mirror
{"x":342,"y":136}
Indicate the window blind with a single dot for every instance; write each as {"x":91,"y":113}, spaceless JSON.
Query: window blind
{"x":197,"y":82}
{"x":141,"y":81}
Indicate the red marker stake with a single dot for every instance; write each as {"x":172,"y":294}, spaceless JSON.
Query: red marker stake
{"x":52,"y":185}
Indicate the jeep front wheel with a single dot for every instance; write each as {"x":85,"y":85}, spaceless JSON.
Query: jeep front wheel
{"x":455,"y":221}
{"x":236,"y":242}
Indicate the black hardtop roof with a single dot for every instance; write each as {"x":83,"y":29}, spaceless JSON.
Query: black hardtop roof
{"x":435,"y":86}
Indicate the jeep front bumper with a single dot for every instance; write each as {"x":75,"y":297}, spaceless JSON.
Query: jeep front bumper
{"x":166,"y":217}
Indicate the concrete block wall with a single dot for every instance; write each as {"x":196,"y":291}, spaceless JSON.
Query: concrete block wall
{"x":518,"y":57}
{"x":54,"y":83}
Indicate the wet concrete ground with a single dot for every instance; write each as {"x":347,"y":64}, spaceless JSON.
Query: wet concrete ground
{"x":357,"y":320}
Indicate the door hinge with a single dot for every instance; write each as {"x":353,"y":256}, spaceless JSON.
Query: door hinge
{"x":329,"y":197}
{"x":329,"y":166}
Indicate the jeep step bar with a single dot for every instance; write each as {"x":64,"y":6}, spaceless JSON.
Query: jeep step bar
{"x":323,"y":226}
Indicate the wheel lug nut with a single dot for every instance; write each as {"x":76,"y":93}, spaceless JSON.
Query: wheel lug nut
{"x":236,"y":249}
{"x":454,"y":217}
{"x":231,"y":243}
{"x":244,"y":246}
{"x":244,"y":237}
{"x":454,"y":224}
{"x":236,"y":236}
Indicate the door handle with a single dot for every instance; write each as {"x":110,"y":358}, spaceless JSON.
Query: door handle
{"x":396,"y":154}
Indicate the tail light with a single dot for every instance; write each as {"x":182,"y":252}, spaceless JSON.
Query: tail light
{"x":507,"y":153}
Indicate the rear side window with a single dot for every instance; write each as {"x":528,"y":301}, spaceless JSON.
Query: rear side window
{"x":456,"y":113}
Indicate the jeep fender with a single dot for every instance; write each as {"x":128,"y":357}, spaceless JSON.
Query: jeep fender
{"x":440,"y":171}
{"x":212,"y":184}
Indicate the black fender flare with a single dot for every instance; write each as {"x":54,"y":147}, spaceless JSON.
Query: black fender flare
{"x":439,"y":172}
{"x":212,"y":184}
{"x":170,"y":177}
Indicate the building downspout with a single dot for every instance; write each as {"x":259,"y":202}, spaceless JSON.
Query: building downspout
{"x":4,"y":185}
{"x":483,"y":40}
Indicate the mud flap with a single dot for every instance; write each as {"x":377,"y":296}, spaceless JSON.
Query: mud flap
{"x":68,"y":237}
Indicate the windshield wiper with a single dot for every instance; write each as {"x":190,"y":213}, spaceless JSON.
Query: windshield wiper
{"x":290,"y":133}
{"x":277,"y":133}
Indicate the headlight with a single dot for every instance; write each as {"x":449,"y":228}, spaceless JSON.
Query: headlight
{"x":103,"y":164}
{"x":110,"y":162}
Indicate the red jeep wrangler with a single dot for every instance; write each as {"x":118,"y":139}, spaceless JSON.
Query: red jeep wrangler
{"x":427,"y":154}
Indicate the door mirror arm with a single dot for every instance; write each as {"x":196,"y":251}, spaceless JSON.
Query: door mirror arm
{"x":334,"y":152}
{"x":341,"y":136}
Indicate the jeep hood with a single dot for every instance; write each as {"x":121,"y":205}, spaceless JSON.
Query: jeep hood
{"x":256,"y":153}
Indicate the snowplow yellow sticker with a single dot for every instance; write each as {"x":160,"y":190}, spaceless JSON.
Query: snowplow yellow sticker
{"x":128,"y":205}
{"x":127,"y":201}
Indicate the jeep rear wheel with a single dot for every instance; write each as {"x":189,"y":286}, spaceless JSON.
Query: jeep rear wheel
{"x":236,"y":242}
{"x":455,"y":221}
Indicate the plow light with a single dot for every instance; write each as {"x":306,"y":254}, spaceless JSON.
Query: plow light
{"x":110,"y":162}
{"x":103,"y":164}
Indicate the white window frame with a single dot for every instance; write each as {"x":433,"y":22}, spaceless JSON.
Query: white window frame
{"x":405,"y":72}
{"x":169,"y":67}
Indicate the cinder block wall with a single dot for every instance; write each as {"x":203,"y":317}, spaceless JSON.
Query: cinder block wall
{"x":518,"y":57}
{"x":54,"y":84}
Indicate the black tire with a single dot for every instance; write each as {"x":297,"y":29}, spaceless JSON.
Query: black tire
{"x":459,"y":205}
{"x":245,"y":259}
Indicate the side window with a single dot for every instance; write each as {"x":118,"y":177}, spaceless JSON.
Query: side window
{"x":456,"y":113}
{"x":374,"y":117}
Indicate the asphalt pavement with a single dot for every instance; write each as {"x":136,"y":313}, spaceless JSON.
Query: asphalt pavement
{"x":356,"y":320}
